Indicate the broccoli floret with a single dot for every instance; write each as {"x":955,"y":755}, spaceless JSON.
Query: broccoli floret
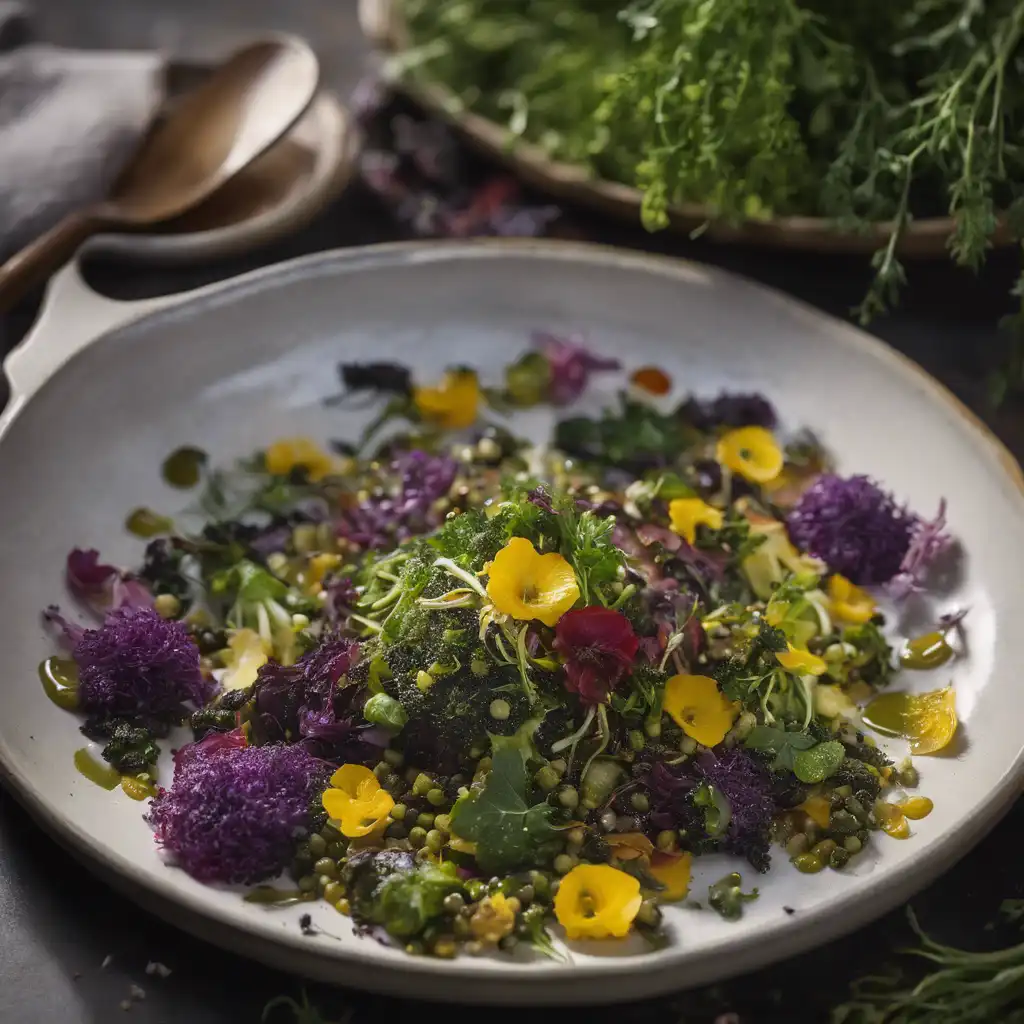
{"x":222,"y":714}
{"x":857,"y":776}
{"x":130,"y":748}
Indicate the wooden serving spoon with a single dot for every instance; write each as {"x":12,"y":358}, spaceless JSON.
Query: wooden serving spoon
{"x":211,"y":134}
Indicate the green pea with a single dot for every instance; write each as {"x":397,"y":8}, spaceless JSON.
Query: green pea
{"x":307,"y":883}
{"x":425,"y":820}
{"x":569,"y":798}
{"x":423,"y":784}
{"x":435,"y":840}
{"x":395,"y":758}
{"x":845,"y":823}
{"x":640,"y":802}
{"x":500,"y":709}
{"x":526,"y":894}
{"x":547,"y":778}
{"x":325,"y":866}
{"x":417,"y":837}
{"x":808,"y":864}
{"x":476,"y":887}
{"x":398,"y":812}
{"x":436,"y":797}
{"x":838,"y":858}
{"x":851,"y":844}
{"x":797,"y":845}
{"x":824,"y":849}
{"x":453,"y":903}
{"x":333,"y":892}
{"x":443,"y":822}
{"x":540,"y":883}
{"x":649,"y":914}
{"x":666,"y":841}
{"x":336,"y":850}
{"x":317,"y":845}
{"x":564,"y":863}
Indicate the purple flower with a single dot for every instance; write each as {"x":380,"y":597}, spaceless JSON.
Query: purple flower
{"x":854,"y":526}
{"x":421,"y":479}
{"x":928,"y":542}
{"x":540,"y":497}
{"x":103,"y":587}
{"x":730,"y":409}
{"x":138,"y":664}
{"x":571,"y":365}
{"x":233,"y":813}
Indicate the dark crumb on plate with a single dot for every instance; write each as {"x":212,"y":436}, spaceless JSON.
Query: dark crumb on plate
{"x":789,"y":910}
{"x":306,"y":924}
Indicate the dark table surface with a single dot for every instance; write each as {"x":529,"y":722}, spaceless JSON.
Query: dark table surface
{"x":58,"y":925}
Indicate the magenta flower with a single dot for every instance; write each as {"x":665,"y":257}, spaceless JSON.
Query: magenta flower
{"x":571,"y":366}
{"x":598,"y":646}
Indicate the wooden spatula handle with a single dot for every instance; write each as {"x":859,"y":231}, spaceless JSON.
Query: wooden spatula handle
{"x":47,"y":254}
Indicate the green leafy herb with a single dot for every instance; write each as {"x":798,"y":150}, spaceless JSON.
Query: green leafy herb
{"x":727,"y":897}
{"x":786,"y":746}
{"x":717,"y":812}
{"x":819,"y":762}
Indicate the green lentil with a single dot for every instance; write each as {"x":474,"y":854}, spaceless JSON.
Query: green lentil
{"x":666,"y":841}
{"x":333,"y":892}
{"x":317,"y":845}
{"x":325,"y":866}
{"x":640,"y":802}
{"x":808,"y":864}
{"x":649,"y":914}
{"x":797,"y":845}
{"x":443,"y":822}
{"x":500,"y":709}
{"x":435,"y":840}
{"x":436,"y":797}
{"x":398,"y":812}
{"x":564,"y":863}
{"x":425,"y":819}
{"x":824,"y":849}
{"x":547,"y":778}
{"x":569,"y":798}
{"x":851,"y":844}
{"x":417,"y":836}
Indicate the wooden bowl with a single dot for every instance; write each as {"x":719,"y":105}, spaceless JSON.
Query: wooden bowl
{"x":384,"y":26}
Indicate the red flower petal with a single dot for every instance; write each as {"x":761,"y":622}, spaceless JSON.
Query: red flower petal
{"x":598,"y":645}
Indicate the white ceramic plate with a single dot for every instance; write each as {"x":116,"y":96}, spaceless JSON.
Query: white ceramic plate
{"x":102,"y":391}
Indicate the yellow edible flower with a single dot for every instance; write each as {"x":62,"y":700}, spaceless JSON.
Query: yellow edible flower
{"x":319,"y":566}
{"x":452,"y":404}
{"x":687,"y":514}
{"x":248,"y":653}
{"x":494,"y":918}
{"x":699,"y":708}
{"x":673,"y":871}
{"x":802,"y":662}
{"x":356,"y":800}
{"x":299,"y":453}
{"x":752,"y":452}
{"x":849,"y":602}
{"x":597,"y":901}
{"x":528,"y":585}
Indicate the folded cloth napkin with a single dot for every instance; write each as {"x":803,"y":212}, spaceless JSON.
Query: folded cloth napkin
{"x":69,"y":121}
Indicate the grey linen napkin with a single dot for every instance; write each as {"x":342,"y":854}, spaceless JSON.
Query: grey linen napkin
{"x":69,"y":120}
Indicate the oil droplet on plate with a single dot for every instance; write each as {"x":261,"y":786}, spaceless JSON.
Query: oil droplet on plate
{"x":927,"y":720}
{"x":145,"y":523}
{"x":59,"y":677}
{"x":928,"y":651}
{"x":102,"y":774}
{"x":184,"y":467}
{"x":269,"y":896}
{"x":916,"y":807}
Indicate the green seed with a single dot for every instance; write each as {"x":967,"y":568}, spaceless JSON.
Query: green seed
{"x":839,"y":858}
{"x":666,"y":841}
{"x":476,"y":888}
{"x":304,"y":538}
{"x":325,"y":866}
{"x":845,"y":791}
{"x":395,"y":758}
{"x":436,"y":797}
{"x":637,"y":740}
{"x":167,"y":606}
{"x":333,"y":892}
{"x":417,"y":837}
{"x":453,"y":903}
{"x":336,"y":850}
{"x":540,"y":883}
{"x":425,"y":820}
{"x":500,"y":709}
{"x":908,"y":776}
{"x":797,"y":845}
{"x":851,"y":844}
{"x":396,"y":830}
{"x":525,"y":894}
{"x":569,"y":798}
{"x":547,"y":778}
{"x":422,"y":785}
{"x":808,"y":864}
{"x":564,"y":863}
{"x":307,"y":883}
{"x":317,"y":845}
{"x":824,"y":849}
{"x":559,"y":766}
{"x":649,"y":914}
{"x":687,"y":745}
{"x":398,"y":812}
{"x":443,"y":822}
{"x":640,"y":802}
{"x":435,"y":840}
{"x":382,"y":769}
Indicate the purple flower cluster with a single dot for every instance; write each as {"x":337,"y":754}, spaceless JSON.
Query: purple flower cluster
{"x":138,"y":664}
{"x":391,"y":518}
{"x":232,"y":813}
{"x":571,"y":365}
{"x":730,"y":409}
{"x":928,"y":542}
{"x":854,"y":526}
{"x":747,"y":787}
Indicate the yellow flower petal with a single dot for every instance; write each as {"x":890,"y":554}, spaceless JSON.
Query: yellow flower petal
{"x":818,"y":809}
{"x":686,"y":514}
{"x":848,"y":602}
{"x":751,"y":452}
{"x":356,"y":781}
{"x":356,"y":800}
{"x":452,"y":404}
{"x":299,"y":453}
{"x":802,"y":662}
{"x":248,"y":655}
{"x":674,"y":873}
{"x":927,"y":720}
{"x":528,"y":585}
{"x":699,"y":708}
{"x":597,"y":901}
{"x":319,"y":567}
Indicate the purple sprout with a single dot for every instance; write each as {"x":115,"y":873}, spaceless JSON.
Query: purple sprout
{"x":928,"y":542}
{"x":571,"y":364}
{"x":233,"y":813}
{"x":854,"y":526}
{"x":138,"y":664}
{"x":540,"y":497}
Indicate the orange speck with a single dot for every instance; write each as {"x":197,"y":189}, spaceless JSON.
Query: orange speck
{"x":652,"y":380}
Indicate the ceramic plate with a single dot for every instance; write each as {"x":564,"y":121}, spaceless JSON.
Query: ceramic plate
{"x":102,"y":391}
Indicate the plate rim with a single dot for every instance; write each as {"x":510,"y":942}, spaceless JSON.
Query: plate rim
{"x":647,"y":975}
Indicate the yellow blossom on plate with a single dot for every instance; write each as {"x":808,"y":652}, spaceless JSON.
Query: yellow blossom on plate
{"x":299,"y":453}
{"x":686,"y":514}
{"x":849,"y":602}
{"x":356,"y":800}
{"x":247,"y":654}
{"x":528,"y":585}
{"x":699,"y":708}
{"x":752,"y":452}
{"x":453,"y":403}
{"x":597,"y":901}
{"x":802,"y":662}
{"x":673,"y":871}
{"x":494,"y":918}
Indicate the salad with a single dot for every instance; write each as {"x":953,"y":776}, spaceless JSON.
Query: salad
{"x":477,"y":693}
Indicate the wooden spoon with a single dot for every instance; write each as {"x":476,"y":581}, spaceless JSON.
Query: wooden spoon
{"x":211,"y":134}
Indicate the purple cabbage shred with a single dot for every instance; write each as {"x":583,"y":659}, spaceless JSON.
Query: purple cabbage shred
{"x":233,"y":813}
{"x":103,"y":587}
{"x":854,"y":526}
{"x":928,"y":542}
{"x":571,"y":364}
{"x":138,"y":664}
